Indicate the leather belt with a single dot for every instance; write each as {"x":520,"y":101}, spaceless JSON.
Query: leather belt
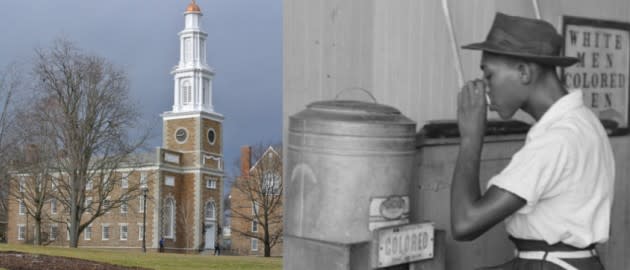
{"x":557,"y":257}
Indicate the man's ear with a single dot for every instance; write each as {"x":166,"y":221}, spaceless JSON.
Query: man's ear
{"x":525,"y":72}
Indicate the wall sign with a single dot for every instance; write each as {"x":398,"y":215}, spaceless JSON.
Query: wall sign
{"x":402,"y":244}
{"x":603,"y":48}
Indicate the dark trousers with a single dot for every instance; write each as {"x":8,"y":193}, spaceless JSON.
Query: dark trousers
{"x":592,"y":263}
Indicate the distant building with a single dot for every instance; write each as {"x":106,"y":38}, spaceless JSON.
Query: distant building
{"x":3,"y":214}
{"x":248,"y":204}
{"x":184,"y":177}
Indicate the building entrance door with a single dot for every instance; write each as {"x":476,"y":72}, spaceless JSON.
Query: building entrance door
{"x":211,"y":232}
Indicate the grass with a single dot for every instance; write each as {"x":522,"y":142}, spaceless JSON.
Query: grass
{"x":152,"y":260}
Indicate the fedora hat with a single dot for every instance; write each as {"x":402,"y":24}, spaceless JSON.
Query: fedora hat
{"x":525,"y":38}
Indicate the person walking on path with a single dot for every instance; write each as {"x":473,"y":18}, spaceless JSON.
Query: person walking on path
{"x":217,"y":248}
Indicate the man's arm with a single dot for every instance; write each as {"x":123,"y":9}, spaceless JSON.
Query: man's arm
{"x":472,"y":214}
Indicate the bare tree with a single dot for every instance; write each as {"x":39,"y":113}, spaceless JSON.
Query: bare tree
{"x":31,"y":182}
{"x":185,"y":218}
{"x":258,"y":198}
{"x":87,"y":110}
{"x":10,"y":82}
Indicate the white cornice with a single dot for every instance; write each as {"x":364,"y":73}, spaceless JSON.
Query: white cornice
{"x":191,"y":170}
{"x":180,"y":115}
{"x":191,"y":68}
{"x":192,"y":151}
{"x":193,"y":31}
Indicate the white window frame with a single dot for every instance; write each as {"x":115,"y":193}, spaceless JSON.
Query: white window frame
{"x":124,"y":180}
{"x":254,"y":244}
{"x":53,"y":206}
{"x":109,"y":232}
{"x":141,"y":204}
{"x":140,"y":231}
{"x":87,"y":233}
{"x":21,"y":232}
{"x":171,"y":219}
{"x":88,"y":203}
{"x":254,"y":226}
{"x":186,"y":89}
{"x":21,"y":208}
{"x":271,"y":183}
{"x":169,"y":180}
{"x":255,"y":209}
{"x":214,"y":211}
{"x":124,"y":207}
{"x":211,"y":183}
{"x":143,"y":179}
{"x":124,"y":231}
{"x":89,"y":184}
{"x":105,"y":183}
{"x":22,"y":184}
{"x":53,"y":185}
{"x":54,"y":232}
{"x":106,"y":203}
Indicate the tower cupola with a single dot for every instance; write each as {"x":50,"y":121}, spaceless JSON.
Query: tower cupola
{"x":192,"y":75}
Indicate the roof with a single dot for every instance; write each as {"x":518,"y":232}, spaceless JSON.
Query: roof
{"x":268,"y":151}
{"x":193,"y":7}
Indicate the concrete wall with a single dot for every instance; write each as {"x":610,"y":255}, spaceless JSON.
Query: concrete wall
{"x":399,"y":49}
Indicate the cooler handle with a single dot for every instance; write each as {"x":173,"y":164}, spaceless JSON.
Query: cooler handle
{"x":368,"y":93}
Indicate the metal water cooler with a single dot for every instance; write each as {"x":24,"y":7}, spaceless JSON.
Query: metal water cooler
{"x":350,"y":166}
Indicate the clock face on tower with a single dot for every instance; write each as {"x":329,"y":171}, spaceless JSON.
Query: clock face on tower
{"x":180,"y":135}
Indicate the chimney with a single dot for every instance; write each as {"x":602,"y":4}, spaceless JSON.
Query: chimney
{"x":245,"y":160}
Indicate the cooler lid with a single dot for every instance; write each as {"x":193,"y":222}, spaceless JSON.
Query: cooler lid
{"x":353,"y":111}
{"x":353,"y":106}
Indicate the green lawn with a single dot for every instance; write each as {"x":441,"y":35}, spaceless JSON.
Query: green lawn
{"x":152,"y":260}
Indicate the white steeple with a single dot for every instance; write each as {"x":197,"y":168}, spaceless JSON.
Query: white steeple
{"x":193,"y":76}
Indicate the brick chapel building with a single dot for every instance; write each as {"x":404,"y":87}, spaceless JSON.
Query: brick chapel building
{"x":184,"y":177}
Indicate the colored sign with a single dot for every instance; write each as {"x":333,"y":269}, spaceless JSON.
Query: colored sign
{"x":403,"y":244}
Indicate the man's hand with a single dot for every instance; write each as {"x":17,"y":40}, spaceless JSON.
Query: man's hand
{"x":471,"y":110}
{"x":472,"y":213}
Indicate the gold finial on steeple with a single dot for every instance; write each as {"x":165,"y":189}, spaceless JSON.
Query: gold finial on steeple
{"x":193,"y":7}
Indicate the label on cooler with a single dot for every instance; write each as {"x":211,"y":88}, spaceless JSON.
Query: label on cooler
{"x":388,"y":211}
{"x":403,"y":244}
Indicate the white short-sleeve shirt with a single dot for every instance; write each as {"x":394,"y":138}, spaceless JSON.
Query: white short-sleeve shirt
{"x":565,"y":172}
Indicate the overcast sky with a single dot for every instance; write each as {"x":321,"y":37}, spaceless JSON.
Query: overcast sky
{"x":244,"y":48}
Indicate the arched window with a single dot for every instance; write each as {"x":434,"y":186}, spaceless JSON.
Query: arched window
{"x":210,"y":213}
{"x":186,"y":92}
{"x":169,"y":218}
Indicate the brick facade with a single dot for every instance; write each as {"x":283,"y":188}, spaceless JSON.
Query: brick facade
{"x":242,"y":202}
{"x":114,"y":219}
{"x":183,"y":179}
